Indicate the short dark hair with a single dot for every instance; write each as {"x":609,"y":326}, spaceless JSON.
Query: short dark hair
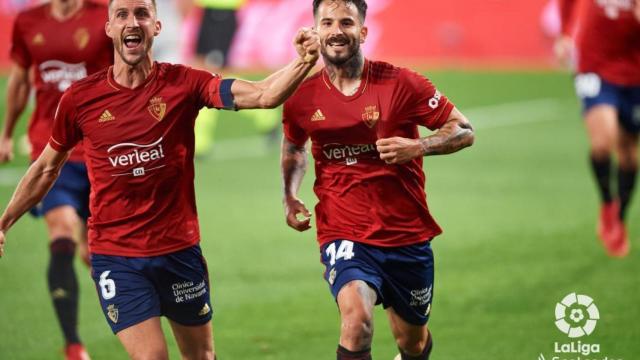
{"x":361,"y":5}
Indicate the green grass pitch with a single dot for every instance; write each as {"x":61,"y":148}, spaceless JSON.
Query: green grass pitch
{"x":518,"y":210}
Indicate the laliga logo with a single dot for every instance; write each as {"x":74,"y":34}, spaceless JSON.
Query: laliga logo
{"x":576,"y":315}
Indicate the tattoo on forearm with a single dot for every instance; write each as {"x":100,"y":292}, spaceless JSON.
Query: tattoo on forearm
{"x":293,"y":166}
{"x":453,"y":136}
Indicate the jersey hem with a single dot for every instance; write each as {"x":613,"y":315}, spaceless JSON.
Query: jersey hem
{"x":143,"y":254}
{"x":425,"y":236}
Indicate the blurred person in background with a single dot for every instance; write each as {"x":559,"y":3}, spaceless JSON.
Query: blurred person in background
{"x":374,"y":226}
{"x":218,"y":24}
{"x":607,"y":81}
{"x":57,"y":43}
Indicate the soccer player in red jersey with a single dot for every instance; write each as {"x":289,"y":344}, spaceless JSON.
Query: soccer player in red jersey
{"x":135,"y":120}
{"x":60,"y":42}
{"x":374,"y":226}
{"x":608,"y":84}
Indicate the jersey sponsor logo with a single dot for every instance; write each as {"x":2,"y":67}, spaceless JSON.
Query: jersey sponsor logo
{"x":371,"y":115}
{"x":435,"y":100}
{"x":106,"y":116}
{"x":317,"y":116}
{"x":38,"y":39}
{"x":612,"y":8}
{"x":349,"y":154}
{"x":157,"y":108}
{"x":61,"y":74}
{"x":112,"y":313}
{"x":81,"y":38}
{"x":136,"y":156}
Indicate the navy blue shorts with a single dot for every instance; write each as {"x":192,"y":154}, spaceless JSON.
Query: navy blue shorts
{"x":401,"y":276}
{"x":135,"y":289}
{"x":71,"y":188}
{"x":593,"y":90}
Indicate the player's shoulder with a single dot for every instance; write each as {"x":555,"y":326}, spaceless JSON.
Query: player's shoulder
{"x":96,"y":7}
{"x":178,"y":72}
{"x":307,"y":88}
{"x":382,"y":71}
{"x":33,"y":13}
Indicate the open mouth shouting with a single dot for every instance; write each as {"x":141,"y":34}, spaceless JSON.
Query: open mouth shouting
{"x":132,"y":41}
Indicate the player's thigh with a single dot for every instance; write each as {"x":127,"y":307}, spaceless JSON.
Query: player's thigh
{"x":127,"y":294}
{"x":195,"y":342}
{"x":145,"y":340}
{"x":409,"y":337}
{"x":600,"y":102}
{"x":353,"y":273}
{"x":409,"y":282}
{"x":356,"y":300}
{"x":182,"y":282}
{"x":63,"y":221}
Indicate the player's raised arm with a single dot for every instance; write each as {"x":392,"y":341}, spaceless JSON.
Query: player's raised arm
{"x":275,"y":89}
{"x":32,"y":188}
{"x":293,"y":165}
{"x":17,"y":95}
{"x":456,"y":134}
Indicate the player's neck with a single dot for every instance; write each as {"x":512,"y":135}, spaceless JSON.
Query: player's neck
{"x":346,"y":77}
{"x":131,"y":76}
{"x":63,"y":9}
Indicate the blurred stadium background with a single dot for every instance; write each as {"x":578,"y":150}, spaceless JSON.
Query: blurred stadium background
{"x":518,"y":208}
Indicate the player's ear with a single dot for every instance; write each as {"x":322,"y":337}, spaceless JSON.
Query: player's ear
{"x":107,"y":29}
{"x":363,"y":34}
{"x":157,"y":29}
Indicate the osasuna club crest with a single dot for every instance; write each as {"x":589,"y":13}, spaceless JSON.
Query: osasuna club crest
{"x":371,"y":115}
{"x":157,"y":108}
{"x":112,"y":313}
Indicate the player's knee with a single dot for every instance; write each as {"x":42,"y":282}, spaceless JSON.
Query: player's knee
{"x":150,"y":354}
{"x":62,"y":226}
{"x":357,"y":325}
{"x":411,"y":345}
{"x":201,"y":353}
{"x":601,"y":150}
{"x":628,"y":160}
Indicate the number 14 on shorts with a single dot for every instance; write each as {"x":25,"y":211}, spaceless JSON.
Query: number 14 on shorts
{"x":345,"y":251}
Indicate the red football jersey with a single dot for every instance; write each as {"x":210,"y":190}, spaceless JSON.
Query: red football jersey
{"x":607,"y":39}
{"x":139,"y":146}
{"x":361,"y":198}
{"x":60,"y":53}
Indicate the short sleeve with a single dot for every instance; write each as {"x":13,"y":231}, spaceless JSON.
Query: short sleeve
{"x":19,"y":52}
{"x":65,"y":133}
{"x":421,"y":102}
{"x":211,"y":90}
{"x":292,"y":130}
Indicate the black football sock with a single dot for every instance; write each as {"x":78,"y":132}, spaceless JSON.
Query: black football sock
{"x":63,"y":287}
{"x":425,"y":353}
{"x":626,"y":184}
{"x":602,"y":172}
{"x":344,"y":354}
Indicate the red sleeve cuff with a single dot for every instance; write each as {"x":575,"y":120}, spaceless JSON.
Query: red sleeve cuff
{"x":57,"y":146}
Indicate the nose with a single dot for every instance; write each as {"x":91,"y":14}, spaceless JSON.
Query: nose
{"x":132,"y":22}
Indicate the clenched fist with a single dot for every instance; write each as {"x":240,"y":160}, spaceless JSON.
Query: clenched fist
{"x":307,"y":43}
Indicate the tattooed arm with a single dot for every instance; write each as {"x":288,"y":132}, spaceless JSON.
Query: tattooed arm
{"x":293,"y":165}
{"x":454,"y":135}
